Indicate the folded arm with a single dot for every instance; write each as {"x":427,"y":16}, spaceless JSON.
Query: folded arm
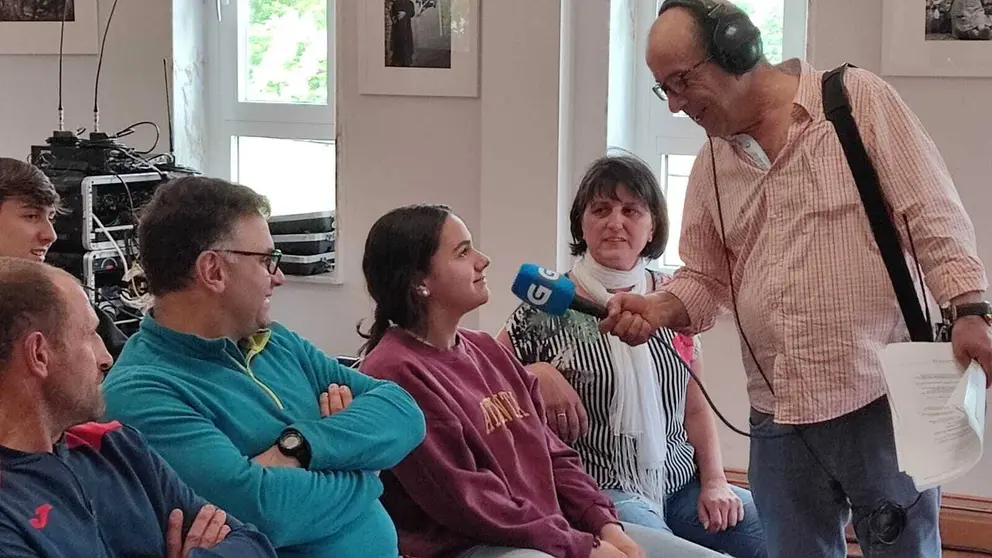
{"x":290,"y":505}
{"x":376,"y":431}
{"x":243,"y":540}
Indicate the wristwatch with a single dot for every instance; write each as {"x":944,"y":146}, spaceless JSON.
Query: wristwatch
{"x":983,"y":309}
{"x":293,"y":444}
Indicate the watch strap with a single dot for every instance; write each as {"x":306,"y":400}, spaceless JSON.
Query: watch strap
{"x":955,"y":311}
{"x":302,"y":453}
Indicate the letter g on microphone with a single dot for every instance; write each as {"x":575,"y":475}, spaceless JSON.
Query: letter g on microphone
{"x":544,"y":289}
{"x":538,"y":295}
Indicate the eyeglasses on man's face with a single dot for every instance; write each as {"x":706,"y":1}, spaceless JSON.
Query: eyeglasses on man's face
{"x":676,"y":83}
{"x":269,"y":259}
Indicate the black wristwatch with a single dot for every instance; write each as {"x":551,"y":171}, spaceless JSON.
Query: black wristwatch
{"x":293,"y":444}
{"x":953,"y":312}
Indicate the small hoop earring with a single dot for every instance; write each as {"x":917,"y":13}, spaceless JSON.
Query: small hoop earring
{"x":424,"y":292}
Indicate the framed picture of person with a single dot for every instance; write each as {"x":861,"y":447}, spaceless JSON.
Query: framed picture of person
{"x":35,"y":26}
{"x":419,"y":47}
{"x":951,"y":38}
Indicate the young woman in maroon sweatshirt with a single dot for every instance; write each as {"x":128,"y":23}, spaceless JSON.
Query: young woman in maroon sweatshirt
{"x":490,"y":479}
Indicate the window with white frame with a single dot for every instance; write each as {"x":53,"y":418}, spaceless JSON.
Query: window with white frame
{"x":272,"y":101}
{"x":639,"y":122}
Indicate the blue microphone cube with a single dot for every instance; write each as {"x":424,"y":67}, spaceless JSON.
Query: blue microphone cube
{"x":544,"y":289}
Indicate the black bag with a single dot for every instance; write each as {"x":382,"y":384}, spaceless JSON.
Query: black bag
{"x":837,"y":109}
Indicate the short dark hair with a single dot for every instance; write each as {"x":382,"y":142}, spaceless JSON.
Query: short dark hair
{"x":29,"y":301}
{"x":602,"y":178}
{"x":398,"y":254}
{"x":26,"y":181}
{"x":185,"y":217}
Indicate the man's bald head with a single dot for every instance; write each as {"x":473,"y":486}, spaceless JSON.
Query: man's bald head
{"x":52,"y":361}
{"x":702,"y":55}
{"x":676,"y":34}
{"x":32,"y":298}
{"x":695,"y":25}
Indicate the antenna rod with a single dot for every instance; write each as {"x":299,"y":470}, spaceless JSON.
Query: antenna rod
{"x":99,"y":66}
{"x":65,"y":10}
{"x":168,"y":107}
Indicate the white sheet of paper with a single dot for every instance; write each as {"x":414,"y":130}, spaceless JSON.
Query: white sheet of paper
{"x":970,"y":397}
{"x":938,"y":411}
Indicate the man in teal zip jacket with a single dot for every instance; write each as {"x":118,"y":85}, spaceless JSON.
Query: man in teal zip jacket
{"x":251,"y":415}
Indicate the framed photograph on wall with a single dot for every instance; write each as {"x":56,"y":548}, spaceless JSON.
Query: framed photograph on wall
{"x":34,"y":26}
{"x":951,"y":38}
{"x":419,"y":47}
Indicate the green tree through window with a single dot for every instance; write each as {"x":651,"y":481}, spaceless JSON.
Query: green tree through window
{"x":767,"y":15}
{"x":287,"y":51}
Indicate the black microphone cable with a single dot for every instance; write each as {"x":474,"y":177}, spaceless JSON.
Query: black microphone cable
{"x":888,"y":519}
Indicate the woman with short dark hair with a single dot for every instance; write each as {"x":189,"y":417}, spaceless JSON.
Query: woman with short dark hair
{"x":643,"y":430}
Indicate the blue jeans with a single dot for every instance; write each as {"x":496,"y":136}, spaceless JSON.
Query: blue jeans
{"x":807,"y":488}
{"x":680,"y":517}
{"x":656,"y":544}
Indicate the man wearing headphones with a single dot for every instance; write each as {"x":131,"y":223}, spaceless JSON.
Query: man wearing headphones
{"x":774,"y":228}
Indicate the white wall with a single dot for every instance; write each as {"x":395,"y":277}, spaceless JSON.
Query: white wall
{"x":385,"y":161}
{"x":132,"y":84}
{"x":494,"y":159}
{"x":189,"y":72}
{"x":585,"y":60}
{"x":519,"y":113}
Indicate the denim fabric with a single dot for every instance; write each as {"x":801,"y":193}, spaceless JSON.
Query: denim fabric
{"x":681,"y":517}
{"x":807,"y":488}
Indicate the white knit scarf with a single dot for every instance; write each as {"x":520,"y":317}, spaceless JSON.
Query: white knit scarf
{"x":637,"y":416}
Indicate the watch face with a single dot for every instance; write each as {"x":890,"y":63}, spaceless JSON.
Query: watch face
{"x":290,"y":441}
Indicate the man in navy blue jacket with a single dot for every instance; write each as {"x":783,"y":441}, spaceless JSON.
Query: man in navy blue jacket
{"x":69,"y":487}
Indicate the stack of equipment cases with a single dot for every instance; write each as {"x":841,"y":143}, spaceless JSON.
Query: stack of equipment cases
{"x":96,"y":240}
{"x":307,"y":242}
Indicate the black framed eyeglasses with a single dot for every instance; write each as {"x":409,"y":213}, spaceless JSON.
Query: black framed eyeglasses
{"x":677,"y":82}
{"x":269,"y":259}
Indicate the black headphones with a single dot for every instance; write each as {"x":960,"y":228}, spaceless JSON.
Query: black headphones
{"x":733,"y":41}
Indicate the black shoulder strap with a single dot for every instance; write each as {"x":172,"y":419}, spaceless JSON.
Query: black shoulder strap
{"x":837,"y":109}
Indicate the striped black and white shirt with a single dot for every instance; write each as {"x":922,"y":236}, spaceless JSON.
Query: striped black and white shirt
{"x":573,"y":344}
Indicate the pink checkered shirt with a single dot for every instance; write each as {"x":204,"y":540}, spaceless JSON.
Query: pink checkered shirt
{"x":813,"y":295}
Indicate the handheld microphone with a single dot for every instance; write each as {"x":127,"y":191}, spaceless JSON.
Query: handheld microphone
{"x":552,"y":292}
